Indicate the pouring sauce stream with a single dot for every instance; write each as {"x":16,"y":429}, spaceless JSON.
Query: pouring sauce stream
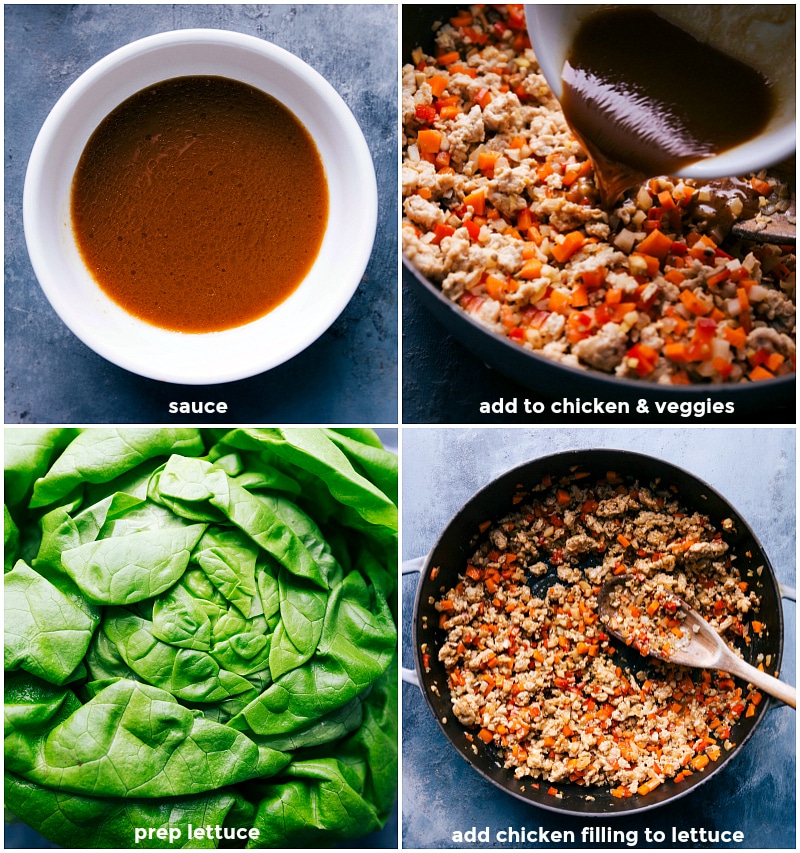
{"x":646,"y":98}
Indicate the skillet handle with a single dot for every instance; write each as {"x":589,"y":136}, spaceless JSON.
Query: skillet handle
{"x":787,"y":592}
{"x":411,"y":567}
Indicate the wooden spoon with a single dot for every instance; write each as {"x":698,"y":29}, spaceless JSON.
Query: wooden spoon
{"x":704,"y":648}
{"x":779,"y":229}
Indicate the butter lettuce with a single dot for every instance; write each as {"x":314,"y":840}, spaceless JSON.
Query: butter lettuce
{"x":199,"y":629}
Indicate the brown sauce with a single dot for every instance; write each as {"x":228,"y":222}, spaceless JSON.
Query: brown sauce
{"x":719,"y":203}
{"x":646,"y":98}
{"x":199,"y":204}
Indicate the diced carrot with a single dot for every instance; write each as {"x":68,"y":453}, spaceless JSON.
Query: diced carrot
{"x":463,"y":69}
{"x":429,"y":141}
{"x":703,"y":248}
{"x":544,"y":170}
{"x":694,"y":303}
{"x":450,"y":101}
{"x":462,"y":19}
{"x":487,"y":160}
{"x":759,"y":373}
{"x":579,"y":298}
{"x":722,"y":365}
{"x":593,"y":279}
{"x":651,"y":264}
{"x":524,"y":217}
{"x":674,"y":276}
{"x":449,"y":112}
{"x":438,"y":84}
{"x":495,"y":287}
{"x":666,"y":200}
{"x":656,"y":243}
{"x":572,"y":242}
{"x":558,"y":302}
{"x":485,"y":735}
{"x":675,"y":352}
{"x":761,"y":187}
{"x":774,"y":361}
{"x":735,"y":337}
{"x":744,"y":299}
{"x":477,"y":201}
{"x":448,"y":58}
{"x":532,"y":268}
{"x":718,"y":278}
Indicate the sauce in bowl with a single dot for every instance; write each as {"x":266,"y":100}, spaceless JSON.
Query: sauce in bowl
{"x":646,"y":98}
{"x":199,"y":204}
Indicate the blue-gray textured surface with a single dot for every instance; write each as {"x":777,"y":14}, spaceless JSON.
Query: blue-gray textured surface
{"x":350,"y":374}
{"x":755,"y":471}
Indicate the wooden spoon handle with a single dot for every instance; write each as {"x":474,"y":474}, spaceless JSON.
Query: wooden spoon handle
{"x":769,"y":684}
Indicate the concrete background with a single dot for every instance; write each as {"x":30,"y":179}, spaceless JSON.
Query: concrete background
{"x":350,"y":374}
{"x":754,"y":469}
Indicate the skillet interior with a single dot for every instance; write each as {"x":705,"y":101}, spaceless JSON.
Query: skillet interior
{"x":528,"y":368}
{"x":458,"y":542}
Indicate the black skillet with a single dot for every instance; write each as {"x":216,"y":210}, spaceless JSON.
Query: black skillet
{"x":458,"y":542}
{"x":530,"y":369}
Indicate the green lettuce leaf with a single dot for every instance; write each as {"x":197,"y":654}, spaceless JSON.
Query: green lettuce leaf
{"x":200,"y":629}
{"x":46,"y":631}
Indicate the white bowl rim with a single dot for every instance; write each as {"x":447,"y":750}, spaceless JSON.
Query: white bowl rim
{"x":214,"y":369}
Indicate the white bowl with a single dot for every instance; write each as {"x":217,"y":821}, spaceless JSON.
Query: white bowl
{"x":750,"y":33}
{"x":207,"y":358}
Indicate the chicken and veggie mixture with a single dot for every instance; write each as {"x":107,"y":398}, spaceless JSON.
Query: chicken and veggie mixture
{"x":502,"y":212}
{"x":531,"y":669}
{"x":648,"y":617}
